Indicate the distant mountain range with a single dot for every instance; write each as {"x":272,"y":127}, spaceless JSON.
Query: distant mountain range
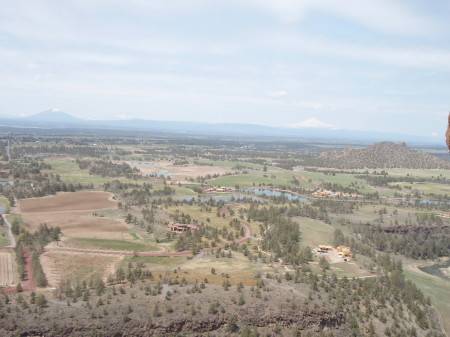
{"x":58,"y":119}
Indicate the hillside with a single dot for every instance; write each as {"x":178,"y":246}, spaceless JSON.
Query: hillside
{"x":379,"y":155}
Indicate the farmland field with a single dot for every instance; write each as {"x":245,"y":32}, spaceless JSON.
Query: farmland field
{"x":72,"y":212}
{"x":8,"y":270}
{"x":72,"y":267}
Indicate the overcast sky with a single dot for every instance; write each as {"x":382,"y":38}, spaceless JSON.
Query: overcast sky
{"x":380,"y":65}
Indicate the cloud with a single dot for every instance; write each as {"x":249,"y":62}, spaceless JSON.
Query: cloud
{"x":124,"y":116}
{"x":434,"y":134}
{"x":312,"y":123}
{"x":382,"y":15}
{"x":277,"y":94}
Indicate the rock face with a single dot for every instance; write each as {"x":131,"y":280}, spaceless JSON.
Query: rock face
{"x":380,"y":156}
{"x":315,"y":319}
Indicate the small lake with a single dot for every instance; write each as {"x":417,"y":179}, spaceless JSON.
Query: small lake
{"x":6,"y":182}
{"x":274,"y":193}
{"x":438,"y":270}
{"x":224,"y":198}
{"x":139,"y":164}
{"x":163,"y":174}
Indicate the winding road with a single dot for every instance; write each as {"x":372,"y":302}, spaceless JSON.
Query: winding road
{"x":11,"y":237}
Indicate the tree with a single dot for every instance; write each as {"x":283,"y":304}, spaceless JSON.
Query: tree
{"x":19,"y":288}
{"x":41,"y":301}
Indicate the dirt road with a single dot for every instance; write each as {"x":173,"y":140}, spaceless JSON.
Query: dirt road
{"x":29,"y":283}
{"x":11,"y":237}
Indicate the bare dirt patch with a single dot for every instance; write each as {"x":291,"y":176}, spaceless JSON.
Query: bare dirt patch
{"x":182,"y":172}
{"x":76,"y":201}
{"x":70,"y":266}
{"x":8,"y":270}
{"x":73,"y":213}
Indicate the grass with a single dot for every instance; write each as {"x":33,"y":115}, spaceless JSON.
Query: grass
{"x":238,"y":268}
{"x":196,"y":213}
{"x":17,"y":217}
{"x":104,"y":244}
{"x":71,"y":173}
{"x":428,"y":173}
{"x":315,"y":232}
{"x":349,"y":269}
{"x":438,"y":290}
{"x":156,"y":262}
{"x":78,"y":267}
{"x":231,"y":164}
{"x":255,"y":179}
{"x":438,"y":189}
{"x":4,"y":241}
{"x":184,"y":191}
{"x":5,"y":204}
{"x":135,"y":236}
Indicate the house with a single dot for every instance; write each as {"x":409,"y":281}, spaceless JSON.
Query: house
{"x":4,"y":174}
{"x":344,"y":251}
{"x":324,"y":248}
{"x":180,"y":228}
{"x":444,"y":214}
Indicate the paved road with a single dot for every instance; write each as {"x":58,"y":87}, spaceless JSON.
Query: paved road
{"x":12,"y":239}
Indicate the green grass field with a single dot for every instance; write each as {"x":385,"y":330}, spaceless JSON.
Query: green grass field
{"x":438,"y":189}
{"x":200,"y":216}
{"x":438,"y":290}
{"x":156,"y":262}
{"x":103,"y":244}
{"x":4,"y":241}
{"x":418,"y":173}
{"x":71,"y":173}
{"x":17,"y":217}
{"x":255,"y":179}
{"x":314,"y":232}
{"x":5,"y":204}
{"x":231,"y":164}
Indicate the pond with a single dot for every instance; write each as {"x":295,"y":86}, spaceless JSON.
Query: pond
{"x":6,"y":182}
{"x":224,"y":198}
{"x":274,"y":193}
{"x":2,"y":209}
{"x":163,"y":174}
{"x":139,"y":164}
{"x":439,"y":270}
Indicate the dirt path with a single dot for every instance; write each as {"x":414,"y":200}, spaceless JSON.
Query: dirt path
{"x":302,"y":178}
{"x":11,"y":237}
{"x":29,"y":283}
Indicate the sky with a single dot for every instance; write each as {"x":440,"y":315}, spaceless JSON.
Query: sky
{"x":379,"y":65}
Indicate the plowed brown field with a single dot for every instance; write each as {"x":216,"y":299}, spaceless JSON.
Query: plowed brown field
{"x":72,"y":212}
{"x":8,"y":270}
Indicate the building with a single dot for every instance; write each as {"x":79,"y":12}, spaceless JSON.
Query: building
{"x":323,"y":248}
{"x":344,"y":251}
{"x":180,"y":228}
